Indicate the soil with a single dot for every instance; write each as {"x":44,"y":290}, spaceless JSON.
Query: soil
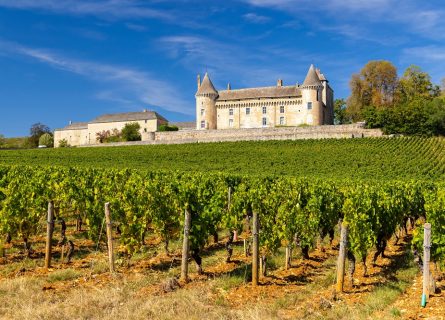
{"x":305,"y":289}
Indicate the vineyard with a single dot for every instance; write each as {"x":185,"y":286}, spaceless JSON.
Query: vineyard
{"x":382,"y":189}
{"x":363,"y":159}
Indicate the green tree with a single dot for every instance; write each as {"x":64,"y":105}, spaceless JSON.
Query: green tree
{"x":130,"y":132}
{"x":416,"y":84}
{"x":46,"y":139}
{"x":442,"y":87}
{"x":2,"y":140}
{"x":36,"y":131}
{"x":375,"y":85}
{"x":340,"y":114}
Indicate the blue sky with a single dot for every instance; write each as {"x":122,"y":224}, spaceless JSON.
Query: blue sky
{"x":64,"y":60}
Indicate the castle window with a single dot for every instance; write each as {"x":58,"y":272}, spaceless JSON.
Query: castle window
{"x":247,"y":110}
{"x":318,"y":94}
{"x":230,"y":123}
{"x":264,"y":122}
{"x":264,"y":110}
{"x":230,"y":112}
{"x":145,"y":129}
{"x":281,"y":109}
{"x":281,"y":121}
{"x":145,"y":121}
{"x":309,"y":105}
{"x":202,"y":112}
{"x":203,"y":124}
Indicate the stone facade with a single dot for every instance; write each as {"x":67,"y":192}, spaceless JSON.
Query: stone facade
{"x":311,"y":103}
{"x":85,"y":133}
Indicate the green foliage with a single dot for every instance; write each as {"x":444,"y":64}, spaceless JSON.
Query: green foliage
{"x":107,"y":136}
{"x":287,"y":206}
{"x":417,"y":117}
{"x":404,"y":158}
{"x":416,"y":84}
{"x":36,"y":131}
{"x":63,"y":143}
{"x":409,"y":105}
{"x":166,"y":127}
{"x":2,"y":140}
{"x":340,"y":113}
{"x":46,"y":139}
{"x":130,"y":132}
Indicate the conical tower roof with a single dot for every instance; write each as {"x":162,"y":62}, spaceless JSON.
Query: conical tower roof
{"x":206,"y":88}
{"x":312,"y":79}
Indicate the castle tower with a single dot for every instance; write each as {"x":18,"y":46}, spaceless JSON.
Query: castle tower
{"x":206,"y":104}
{"x":311,"y":91}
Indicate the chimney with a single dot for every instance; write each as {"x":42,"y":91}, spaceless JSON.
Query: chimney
{"x":279,"y":83}
{"x":199,"y":81}
{"x":229,"y":87}
{"x":144,"y":110}
{"x":70,"y":122}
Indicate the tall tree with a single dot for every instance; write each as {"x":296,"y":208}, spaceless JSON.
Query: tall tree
{"x":416,"y":84}
{"x":375,"y":85}
{"x":340,"y":115}
{"x":36,"y":131}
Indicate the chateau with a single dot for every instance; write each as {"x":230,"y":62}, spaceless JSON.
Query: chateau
{"x":311,"y":103}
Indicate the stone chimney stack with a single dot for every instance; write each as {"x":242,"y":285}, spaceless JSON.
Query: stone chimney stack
{"x":279,"y":83}
{"x":70,"y":122}
{"x":229,"y":87}
{"x":199,"y":81}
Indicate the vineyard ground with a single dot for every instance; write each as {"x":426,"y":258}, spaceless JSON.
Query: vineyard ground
{"x":85,"y":290}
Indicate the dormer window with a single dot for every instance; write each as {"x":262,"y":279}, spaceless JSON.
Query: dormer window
{"x":309,"y":105}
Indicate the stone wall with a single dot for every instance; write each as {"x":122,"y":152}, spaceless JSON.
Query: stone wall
{"x":281,"y":133}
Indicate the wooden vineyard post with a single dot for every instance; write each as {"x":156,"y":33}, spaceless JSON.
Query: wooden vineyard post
{"x":110,"y":237}
{"x":49,"y":234}
{"x":229,"y":203}
{"x":185,"y":246}
{"x":426,"y":263}
{"x":288,"y":257}
{"x":62,"y":253}
{"x":255,"y":247}
{"x":342,"y":257}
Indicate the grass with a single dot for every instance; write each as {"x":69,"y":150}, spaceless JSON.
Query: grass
{"x":63,"y":275}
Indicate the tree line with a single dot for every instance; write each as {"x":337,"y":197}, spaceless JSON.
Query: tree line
{"x":411,"y":104}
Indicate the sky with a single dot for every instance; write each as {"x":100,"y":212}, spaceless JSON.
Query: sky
{"x":72,"y":60}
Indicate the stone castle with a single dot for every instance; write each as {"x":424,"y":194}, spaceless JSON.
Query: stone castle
{"x":311,"y":103}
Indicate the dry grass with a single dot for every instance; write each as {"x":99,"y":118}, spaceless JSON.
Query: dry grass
{"x":24,"y":298}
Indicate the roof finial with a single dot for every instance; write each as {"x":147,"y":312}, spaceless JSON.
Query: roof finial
{"x":228,"y":86}
{"x":199,"y":81}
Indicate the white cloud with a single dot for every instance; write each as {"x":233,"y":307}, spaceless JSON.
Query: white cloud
{"x":255,"y":18}
{"x":421,"y":18}
{"x":238,"y":64}
{"x":103,"y":8}
{"x":125,"y":85}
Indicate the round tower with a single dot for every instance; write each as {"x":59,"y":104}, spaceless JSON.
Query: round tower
{"x":206,"y":104}
{"x":311,"y":91}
